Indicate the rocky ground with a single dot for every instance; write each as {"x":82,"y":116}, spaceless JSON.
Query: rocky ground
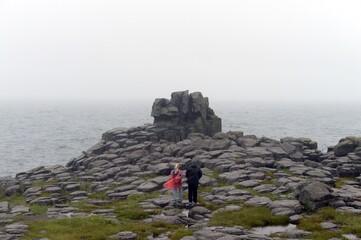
{"x":289,"y":178}
{"x":252,"y":188}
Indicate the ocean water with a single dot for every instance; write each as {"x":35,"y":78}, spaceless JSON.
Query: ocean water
{"x":34,"y":133}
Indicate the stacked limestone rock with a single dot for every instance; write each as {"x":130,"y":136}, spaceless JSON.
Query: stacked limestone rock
{"x":184,"y":113}
{"x":138,"y":160}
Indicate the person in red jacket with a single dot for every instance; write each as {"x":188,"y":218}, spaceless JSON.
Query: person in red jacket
{"x":176,"y":175}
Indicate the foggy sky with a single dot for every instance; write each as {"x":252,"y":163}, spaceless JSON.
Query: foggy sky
{"x":234,"y":50}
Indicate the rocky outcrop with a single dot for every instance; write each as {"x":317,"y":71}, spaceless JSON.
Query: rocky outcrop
{"x":184,"y":113}
{"x":288,"y":177}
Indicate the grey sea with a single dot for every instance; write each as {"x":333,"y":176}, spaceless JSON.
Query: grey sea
{"x":34,"y":133}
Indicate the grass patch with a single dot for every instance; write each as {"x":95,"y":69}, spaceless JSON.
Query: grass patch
{"x":41,"y":184}
{"x":255,"y":193}
{"x":85,"y":186}
{"x":94,"y":228}
{"x":149,"y":176}
{"x":341,"y":181}
{"x":349,"y":224}
{"x":37,"y":209}
{"x":129,"y":209}
{"x":180,"y":234}
{"x":98,"y":195}
{"x":248,"y":217}
{"x":287,"y":171}
{"x":220,"y":183}
{"x":207,"y":189}
{"x":14,"y":200}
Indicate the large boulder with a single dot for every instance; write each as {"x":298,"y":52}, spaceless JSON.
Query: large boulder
{"x":347,"y":145}
{"x":313,"y":194}
{"x":344,"y":147}
{"x":184,"y":113}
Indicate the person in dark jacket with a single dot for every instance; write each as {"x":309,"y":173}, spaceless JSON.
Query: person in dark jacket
{"x":193,"y":174}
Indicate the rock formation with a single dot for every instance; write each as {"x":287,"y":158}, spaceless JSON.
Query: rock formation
{"x":184,"y":113}
{"x":288,"y":178}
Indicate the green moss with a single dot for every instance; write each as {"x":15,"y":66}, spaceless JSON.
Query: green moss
{"x":248,"y":217}
{"x":85,"y":186}
{"x":255,"y":193}
{"x":327,"y":213}
{"x":180,"y":234}
{"x":14,"y":200}
{"x":220,"y":183}
{"x":38,"y":209}
{"x":129,"y":209}
{"x":74,"y":229}
{"x":149,"y":176}
{"x":341,"y":181}
{"x":207,"y":189}
{"x":93,"y":228}
{"x":311,"y":223}
{"x":287,"y":171}
{"x":208,"y":205}
{"x":44,"y":183}
{"x":98,"y":195}
{"x":349,"y":223}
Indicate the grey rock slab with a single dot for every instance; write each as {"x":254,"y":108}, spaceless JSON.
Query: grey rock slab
{"x":12,"y":190}
{"x":198,"y":210}
{"x":296,"y":233}
{"x":259,"y":201}
{"x":161,"y":201}
{"x":265,"y":188}
{"x":16,"y":228}
{"x":20,"y":209}
{"x":292,"y":204}
{"x":188,"y":238}
{"x":250,"y":183}
{"x":222,"y":190}
{"x":43,"y":201}
{"x":149,"y":187}
{"x":4,"y":207}
{"x":328,"y":225}
{"x":32,"y":191}
{"x":206,"y":234}
{"x":125,"y":235}
{"x":295,"y":219}
{"x":160,"y":169}
{"x":53,"y":189}
{"x":285,"y":163}
{"x":232,"y":177}
{"x":125,"y":188}
{"x":72,"y":187}
{"x":207,"y":181}
{"x":79,"y":194}
{"x":6,"y":218}
{"x":123,"y":195}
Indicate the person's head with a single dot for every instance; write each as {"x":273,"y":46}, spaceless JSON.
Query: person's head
{"x":192,"y":163}
{"x":176,"y":166}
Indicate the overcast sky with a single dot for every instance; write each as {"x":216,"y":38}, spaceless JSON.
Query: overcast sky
{"x":242,"y":50}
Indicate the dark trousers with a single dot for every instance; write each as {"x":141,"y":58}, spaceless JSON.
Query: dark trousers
{"x":192,"y":192}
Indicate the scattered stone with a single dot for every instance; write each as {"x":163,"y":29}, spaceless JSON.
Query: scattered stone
{"x":126,"y":235}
